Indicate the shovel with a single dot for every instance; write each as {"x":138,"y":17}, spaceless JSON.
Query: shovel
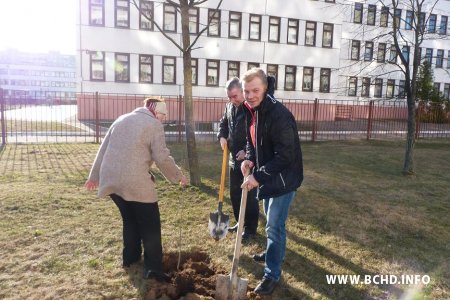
{"x":232,"y":287}
{"x":218,"y":221}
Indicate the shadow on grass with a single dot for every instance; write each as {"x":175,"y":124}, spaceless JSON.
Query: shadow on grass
{"x":312,"y":272}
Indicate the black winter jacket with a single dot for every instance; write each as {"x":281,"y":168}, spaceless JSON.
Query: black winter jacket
{"x":233,"y":129}
{"x":277,"y":156}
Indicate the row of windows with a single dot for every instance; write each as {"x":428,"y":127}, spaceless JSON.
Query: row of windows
{"x":37,"y":83}
{"x":169,"y":68}
{"x":122,"y":20}
{"x":382,"y":50}
{"x":24,"y":72}
{"x":397,"y":14}
{"x":48,"y":60}
{"x":38,"y":94}
{"x":393,"y":88}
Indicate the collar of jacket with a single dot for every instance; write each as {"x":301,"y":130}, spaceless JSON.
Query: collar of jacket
{"x":144,"y":110}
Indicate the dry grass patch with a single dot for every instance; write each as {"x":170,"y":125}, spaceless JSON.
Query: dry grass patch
{"x":355,"y":214}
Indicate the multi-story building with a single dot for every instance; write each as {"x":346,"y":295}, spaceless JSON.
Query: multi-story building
{"x":315,"y":49}
{"x":37,"y":77}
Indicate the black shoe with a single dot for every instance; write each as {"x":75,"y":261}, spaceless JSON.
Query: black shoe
{"x":266,"y":286}
{"x":233,"y":228}
{"x":261,"y":257}
{"x":246,"y":237}
{"x":159,"y":276}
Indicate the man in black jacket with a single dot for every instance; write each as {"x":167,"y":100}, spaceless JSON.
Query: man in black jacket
{"x":274,"y":156}
{"x":232,"y":132}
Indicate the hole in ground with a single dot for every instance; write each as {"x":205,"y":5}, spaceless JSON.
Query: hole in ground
{"x":196,"y":278}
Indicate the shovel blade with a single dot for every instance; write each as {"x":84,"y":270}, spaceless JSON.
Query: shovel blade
{"x":224,"y":288}
{"x":218,"y":225}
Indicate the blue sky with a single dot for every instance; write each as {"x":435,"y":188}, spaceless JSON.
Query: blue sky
{"x":38,"y":25}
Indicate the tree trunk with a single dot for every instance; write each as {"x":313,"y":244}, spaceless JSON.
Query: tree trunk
{"x":408,"y":166}
{"x":188,"y":105}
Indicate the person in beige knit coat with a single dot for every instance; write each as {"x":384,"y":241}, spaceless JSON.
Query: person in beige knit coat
{"x":121,"y":170}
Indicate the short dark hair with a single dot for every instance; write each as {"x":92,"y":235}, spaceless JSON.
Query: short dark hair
{"x":233,"y":83}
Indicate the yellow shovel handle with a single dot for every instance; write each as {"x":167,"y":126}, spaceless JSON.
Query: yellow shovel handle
{"x":224,"y":169}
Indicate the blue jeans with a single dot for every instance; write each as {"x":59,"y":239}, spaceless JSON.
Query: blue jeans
{"x":276,"y":210}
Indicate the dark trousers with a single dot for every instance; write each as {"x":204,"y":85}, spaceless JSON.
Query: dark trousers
{"x":252,"y":209}
{"x":141,"y":223}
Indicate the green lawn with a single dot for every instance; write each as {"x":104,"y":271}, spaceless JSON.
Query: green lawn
{"x":355,"y":214}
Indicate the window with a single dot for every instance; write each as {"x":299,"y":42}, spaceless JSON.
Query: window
{"x":365,"y":88}
{"x":357,"y":17}
{"x":352,"y":83}
{"x":122,"y":67}
{"x":409,"y":19}
{"x":272,"y":70}
{"x":194,"y":68}
{"x":390,"y":88}
{"x":212,"y":72}
{"x":422,"y":22}
{"x":147,"y":11}
{"x":146,"y":68}
{"x":234,"y":29}
{"x":97,"y":65}
{"x":443,"y":27}
{"x":274,"y":29}
{"x":432,"y":23}
{"x":193,"y":20}
{"x":169,"y":69}
{"x":289,"y":78}
{"x":310,"y":33}
{"x":371,"y":14}
{"x":252,"y":65}
{"x":381,"y":54}
{"x":308,"y":74}
{"x":429,"y":55}
{"x":378,"y":87}
{"x":447,"y":90}
{"x":214,"y":26}
{"x":393,"y":55}
{"x":292,"y":33}
{"x":397,"y":18}
{"x":255,"y":28}
{"x":439,"y":58}
{"x":233,"y":69}
{"x":384,"y":16}
{"x":437,"y":86}
{"x":96,"y":13}
{"x":405,"y":53}
{"x":122,"y":14}
{"x":448,"y":59}
{"x":355,"y":50}
{"x":368,"y":53}
{"x":401,"y":89}
{"x":170,"y":18}
{"x":325,"y":80}
{"x":327,"y":36}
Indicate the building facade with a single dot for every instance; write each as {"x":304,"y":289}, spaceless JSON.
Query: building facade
{"x":37,"y":77}
{"x":315,"y":49}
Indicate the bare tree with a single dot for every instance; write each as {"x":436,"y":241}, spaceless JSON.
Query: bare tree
{"x":186,"y":46}
{"x":403,"y":42}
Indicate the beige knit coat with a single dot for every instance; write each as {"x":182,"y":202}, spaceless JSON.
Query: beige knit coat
{"x":133,"y":142}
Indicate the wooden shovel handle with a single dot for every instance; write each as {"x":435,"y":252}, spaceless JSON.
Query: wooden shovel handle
{"x":224,"y":169}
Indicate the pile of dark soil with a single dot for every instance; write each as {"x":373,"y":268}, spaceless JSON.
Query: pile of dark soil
{"x":194,"y":280}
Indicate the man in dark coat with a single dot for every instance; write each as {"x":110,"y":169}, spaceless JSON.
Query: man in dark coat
{"x":274,"y":158}
{"x":232,"y":132}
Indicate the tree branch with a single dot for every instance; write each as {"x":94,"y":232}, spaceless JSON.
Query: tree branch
{"x":150,"y":19}
{"x":206,"y":27}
